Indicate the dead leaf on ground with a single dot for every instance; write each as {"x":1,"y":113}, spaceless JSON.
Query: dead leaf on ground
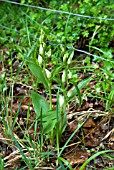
{"x":89,"y":123}
{"x":85,"y":106}
{"x":73,"y":125}
{"x":77,"y":157}
{"x":92,"y":141}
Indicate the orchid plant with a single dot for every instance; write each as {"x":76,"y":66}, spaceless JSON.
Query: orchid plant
{"x":54,"y":120}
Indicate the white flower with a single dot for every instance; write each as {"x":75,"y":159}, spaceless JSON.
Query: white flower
{"x":39,"y":59}
{"x":69,"y":75}
{"x":69,"y":93}
{"x":49,"y":53}
{"x":63,"y":76}
{"x":61,"y":100}
{"x":96,"y":66}
{"x":70,"y":58}
{"x":41,"y":51}
{"x":62,"y":49}
{"x":44,"y":44}
{"x":41,"y":36}
{"x":65,"y":57}
{"x":48,"y":73}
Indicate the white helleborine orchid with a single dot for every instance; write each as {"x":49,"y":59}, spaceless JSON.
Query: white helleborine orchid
{"x":39,"y":59}
{"x":41,"y":36}
{"x":48,"y":73}
{"x":69,"y":93}
{"x":65,"y":57}
{"x":70,"y":58}
{"x":69,"y":75}
{"x":41,"y":50}
{"x":49,"y":53}
{"x":62,"y":49}
{"x":44,"y":44}
{"x":63,"y":76}
{"x":61,"y":100}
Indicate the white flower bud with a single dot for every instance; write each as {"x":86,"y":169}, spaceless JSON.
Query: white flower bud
{"x":62,"y":49}
{"x":41,"y":49}
{"x":96,"y":66}
{"x":39,"y":59}
{"x":70,"y":58}
{"x":44,"y":45}
{"x":61,"y":100}
{"x":41,"y":36}
{"x":69,"y":75}
{"x":49,"y":53}
{"x":48,"y":73}
{"x":65,"y":57}
{"x":69,"y":94}
{"x":63,"y":76}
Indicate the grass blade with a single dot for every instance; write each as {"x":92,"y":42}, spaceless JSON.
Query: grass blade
{"x":93,"y":157}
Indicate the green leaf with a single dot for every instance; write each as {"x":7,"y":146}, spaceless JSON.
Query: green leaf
{"x":112,"y":168}
{"x":73,"y":92}
{"x":78,"y":92}
{"x":64,"y":123}
{"x":22,"y":1}
{"x":110,"y":100}
{"x":41,"y":108}
{"x":49,"y":116}
{"x":2,"y":163}
{"x":83,"y":83}
{"x":49,"y":126}
{"x":38,"y":72}
{"x":65,"y":162}
{"x":39,"y":103}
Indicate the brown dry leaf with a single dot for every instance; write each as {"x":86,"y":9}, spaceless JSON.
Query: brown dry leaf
{"x":25,"y":107}
{"x":85,"y":106}
{"x":111,"y":139}
{"x":92,"y":141}
{"x":73,"y":125}
{"x":92,"y":83}
{"x":16,"y":65}
{"x":15,"y":107}
{"x":89,"y":123}
{"x":79,"y":157}
{"x":20,"y":91}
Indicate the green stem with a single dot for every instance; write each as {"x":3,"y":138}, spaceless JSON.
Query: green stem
{"x":50,"y":99}
{"x":50,"y":95}
{"x":57,"y":129}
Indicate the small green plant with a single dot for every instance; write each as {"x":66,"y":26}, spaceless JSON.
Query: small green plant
{"x":54,"y":121}
{"x":104,"y":77}
{"x":1,"y":163}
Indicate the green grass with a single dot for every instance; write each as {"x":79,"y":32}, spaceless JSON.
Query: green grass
{"x":46,"y":43}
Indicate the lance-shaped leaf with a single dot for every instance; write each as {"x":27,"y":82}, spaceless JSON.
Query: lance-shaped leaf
{"x":38,"y":72}
{"x":40,"y":104}
{"x":73,"y":92}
